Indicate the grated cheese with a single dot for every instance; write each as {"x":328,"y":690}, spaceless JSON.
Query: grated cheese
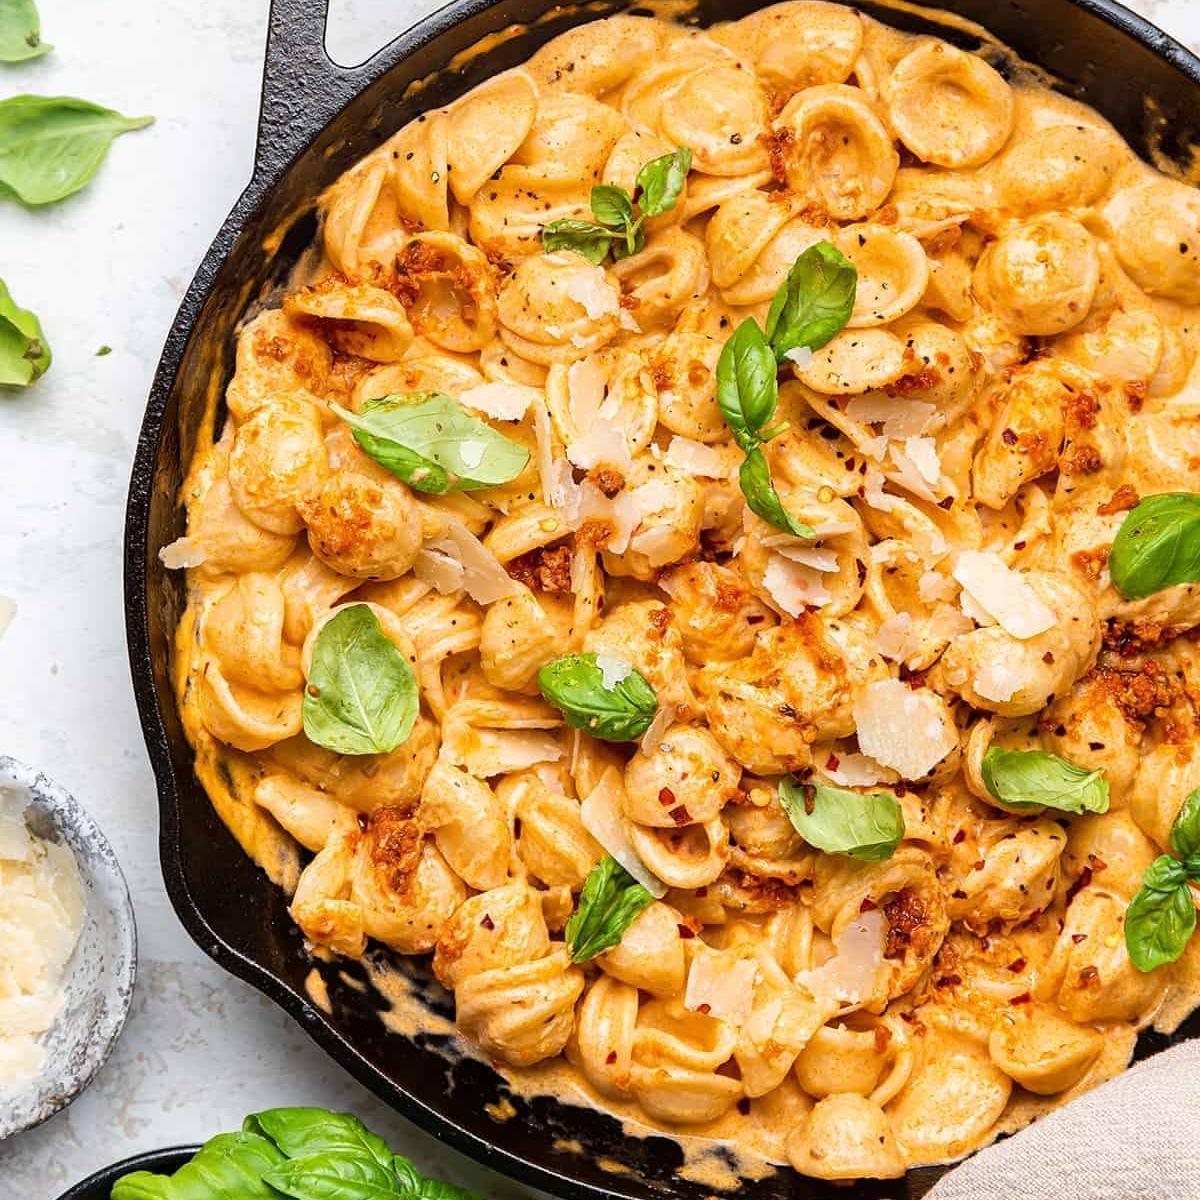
{"x":1002,"y":593}
{"x":484,"y":579}
{"x":719,"y":988}
{"x":794,"y":586}
{"x":910,"y":730}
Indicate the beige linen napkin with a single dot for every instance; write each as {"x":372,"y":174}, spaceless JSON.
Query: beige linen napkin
{"x":1133,"y":1138}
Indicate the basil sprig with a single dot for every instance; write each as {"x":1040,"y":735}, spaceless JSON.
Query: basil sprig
{"x":361,"y":696}
{"x":574,"y":684}
{"x":1161,"y":918}
{"x":610,"y":902}
{"x":51,"y":146}
{"x":431,"y":442}
{"x":864,"y":825}
{"x":657,"y":189}
{"x":305,"y":1153}
{"x":1035,"y":778}
{"x":24,"y":351}
{"x":1157,"y":546}
{"x":20,"y":32}
{"x":811,"y":305}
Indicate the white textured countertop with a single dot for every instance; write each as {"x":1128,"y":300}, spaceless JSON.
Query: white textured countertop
{"x":109,"y":267}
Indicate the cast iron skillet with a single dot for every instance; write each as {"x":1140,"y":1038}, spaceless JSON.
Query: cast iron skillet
{"x":318,"y":119}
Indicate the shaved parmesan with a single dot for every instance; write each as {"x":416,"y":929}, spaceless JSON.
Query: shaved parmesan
{"x":852,"y":770}
{"x":628,"y":321}
{"x":603,"y":445}
{"x":997,"y":680}
{"x":794,"y":586}
{"x":485,"y":580}
{"x":720,"y":988}
{"x":820,"y":558}
{"x":891,"y":638}
{"x":695,"y":458}
{"x":589,"y":287}
{"x":613,"y":669}
{"x":664,"y":718}
{"x":850,"y":976}
{"x":183,"y":552}
{"x":935,"y":586}
{"x":900,"y":418}
{"x":660,"y":545}
{"x":828,"y":529}
{"x":922,"y":451}
{"x":585,"y":389}
{"x":438,"y":569}
{"x":602,"y":818}
{"x":559,"y":489}
{"x":909,"y":475}
{"x":801,"y":356}
{"x":910,"y":730}
{"x":1003,"y":593}
{"x":501,"y":401}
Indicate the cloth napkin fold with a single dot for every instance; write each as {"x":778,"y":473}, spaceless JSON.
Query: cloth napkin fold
{"x":1133,"y":1138}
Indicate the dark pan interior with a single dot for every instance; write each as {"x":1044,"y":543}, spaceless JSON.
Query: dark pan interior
{"x":319,"y":119}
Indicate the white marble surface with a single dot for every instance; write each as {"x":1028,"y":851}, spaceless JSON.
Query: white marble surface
{"x":108,"y":267}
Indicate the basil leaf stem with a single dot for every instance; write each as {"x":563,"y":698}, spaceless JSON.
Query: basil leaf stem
{"x":1157,"y":546}
{"x":610,"y":902}
{"x":815,"y":301}
{"x":20,"y":32}
{"x":574,"y":684}
{"x":51,"y":146}
{"x":24,"y":351}
{"x":361,"y":696}
{"x":754,"y":476}
{"x":864,"y":825}
{"x":1033,"y":777}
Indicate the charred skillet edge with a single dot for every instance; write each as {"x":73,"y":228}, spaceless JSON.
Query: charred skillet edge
{"x":303,"y":91}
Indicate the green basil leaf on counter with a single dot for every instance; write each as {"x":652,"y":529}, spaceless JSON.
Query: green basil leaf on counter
{"x":431,"y":442}
{"x":20,"y":32}
{"x":1185,"y":829}
{"x":814,"y":302}
{"x":584,"y":237}
{"x":415,"y":1186}
{"x":660,"y":182}
{"x":747,"y":389}
{"x":335,"y":1175}
{"x":610,"y":902}
{"x":361,"y":696}
{"x":24,"y":351}
{"x":754,"y":476}
{"x":1033,"y":777}
{"x":51,"y":146}
{"x":1161,"y":918}
{"x":1157,"y":546}
{"x":228,"y":1165}
{"x":864,"y":825}
{"x":302,"y":1131}
{"x":574,"y":684}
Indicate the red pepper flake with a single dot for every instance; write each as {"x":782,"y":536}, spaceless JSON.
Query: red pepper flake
{"x":680,"y":815}
{"x":949,"y":981}
{"x":958,"y":894}
{"x":960,"y":836}
{"x":1097,"y":864}
{"x":743,"y":1106}
{"x":883,"y":1035}
{"x":1009,"y":437}
{"x":868,"y":905}
{"x":1017,"y":965}
{"x":1023,"y":998}
{"x":946,"y":503}
{"x":487,"y":922}
{"x":1085,"y":877}
{"x":612,"y":1057}
{"x":704,"y":1008}
{"x":686,"y":931}
{"x":832,"y":763}
{"x":666,"y":797}
{"x":1089,"y":977}
{"x":1078,"y":937}
{"x":978,"y":865}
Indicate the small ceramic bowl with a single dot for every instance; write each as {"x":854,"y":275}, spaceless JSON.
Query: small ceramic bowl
{"x":99,"y":1185}
{"x":98,"y":982}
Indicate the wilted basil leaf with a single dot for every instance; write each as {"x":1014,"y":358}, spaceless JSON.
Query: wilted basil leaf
{"x":1033,"y":777}
{"x":660,"y":182}
{"x":610,"y":902}
{"x":302,"y":1131}
{"x":433,"y":444}
{"x":864,"y":825}
{"x":51,"y":146}
{"x":24,"y":351}
{"x":1157,"y":546}
{"x":230,"y":1164}
{"x":361,"y":696}
{"x":20,"y":32}
{"x":584,"y":237}
{"x":755,"y":479}
{"x":1161,"y":917}
{"x":814,"y":302}
{"x":335,"y":1175}
{"x":574,"y":684}
{"x":747,"y":391}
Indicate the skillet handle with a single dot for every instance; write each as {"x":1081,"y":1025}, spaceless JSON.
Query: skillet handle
{"x":302,"y":86}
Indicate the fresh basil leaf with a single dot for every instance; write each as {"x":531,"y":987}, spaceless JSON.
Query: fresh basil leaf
{"x":1161,"y":917}
{"x":20,"y":32}
{"x":585,"y":238}
{"x":814,"y":302}
{"x":612,"y":206}
{"x":335,"y":1175}
{"x":228,"y":1165}
{"x":1033,"y":777}
{"x":610,"y":902}
{"x":433,"y":444}
{"x":575,"y":685}
{"x":755,"y":479}
{"x":24,"y":351}
{"x":361,"y":696}
{"x":864,"y":825}
{"x":747,"y":388}
{"x":633,"y":242}
{"x":1157,"y":546}
{"x":303,"y":1131}
{"x":415,"y":1186}
{"x":1185,"y":829}
{"x":51,"y":146}
{"x":660,"y":182}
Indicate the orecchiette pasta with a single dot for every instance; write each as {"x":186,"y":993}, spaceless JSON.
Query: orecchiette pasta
{"x":922,"y":591}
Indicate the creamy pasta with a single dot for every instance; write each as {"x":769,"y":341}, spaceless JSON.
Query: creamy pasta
{"x":877,"y":754}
